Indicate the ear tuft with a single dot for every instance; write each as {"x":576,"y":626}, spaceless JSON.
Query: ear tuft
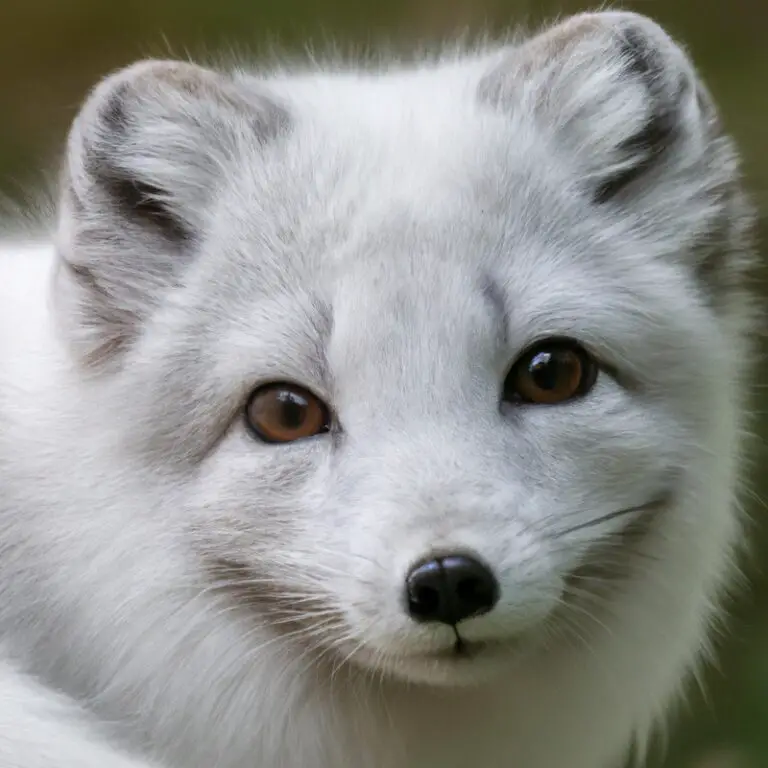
{"x":643,"y":61}
{"x":143,"y":202}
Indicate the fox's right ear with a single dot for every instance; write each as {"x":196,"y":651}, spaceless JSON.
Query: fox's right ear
{"x":615,"y":91}
{"x":146,"y":155}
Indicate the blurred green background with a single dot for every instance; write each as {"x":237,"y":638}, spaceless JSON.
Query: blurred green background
{"x":51,"y":51}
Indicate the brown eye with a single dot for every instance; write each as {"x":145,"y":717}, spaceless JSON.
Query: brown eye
{"x":282,"y":413}
{"x":550,"y":373}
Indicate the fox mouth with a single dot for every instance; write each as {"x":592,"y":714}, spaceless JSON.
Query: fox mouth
{"x":466,"y":650}
{"x":463,"y":649}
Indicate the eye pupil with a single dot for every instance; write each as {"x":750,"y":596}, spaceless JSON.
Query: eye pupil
{"x":293,"y":411}
{"x":545,"y":371}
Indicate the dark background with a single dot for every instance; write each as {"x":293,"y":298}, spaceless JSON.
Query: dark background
{"x":52,"y":51}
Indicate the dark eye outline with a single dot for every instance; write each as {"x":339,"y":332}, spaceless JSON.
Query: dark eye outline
{"x":590,"y":368}
{"x":293,"y":387}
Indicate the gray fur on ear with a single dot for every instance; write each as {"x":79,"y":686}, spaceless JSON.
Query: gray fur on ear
{"x":145,"y":157}
{"x":615,"y":92}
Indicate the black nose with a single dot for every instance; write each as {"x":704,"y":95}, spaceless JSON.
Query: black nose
{"x":450,"y":588}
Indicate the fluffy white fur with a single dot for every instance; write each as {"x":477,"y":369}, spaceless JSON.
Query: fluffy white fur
{"x":393,"y":238}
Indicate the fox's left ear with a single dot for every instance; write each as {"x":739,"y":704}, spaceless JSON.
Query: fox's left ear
{"x":147,"y":155}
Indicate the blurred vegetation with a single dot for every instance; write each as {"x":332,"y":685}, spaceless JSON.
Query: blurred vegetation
{"x":52,"y":51}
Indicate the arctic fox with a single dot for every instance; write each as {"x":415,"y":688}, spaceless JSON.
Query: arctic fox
{"x":384,"y":416}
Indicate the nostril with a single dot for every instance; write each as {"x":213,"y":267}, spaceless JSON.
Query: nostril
{"x":423,"y":602}
{"x":450,"y":589}
{"x":424,"y":586}
{"x":468,"y":590}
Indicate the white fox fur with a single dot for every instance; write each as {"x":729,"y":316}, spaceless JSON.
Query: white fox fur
{"x":177,"y":594}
